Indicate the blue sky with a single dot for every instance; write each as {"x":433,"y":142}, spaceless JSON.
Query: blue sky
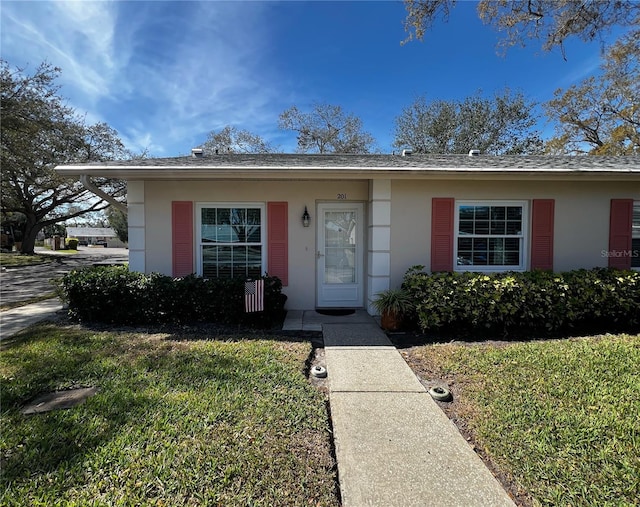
{"x":164,"y":74}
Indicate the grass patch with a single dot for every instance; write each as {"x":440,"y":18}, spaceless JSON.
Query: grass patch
{"x":66,"y":251}
{"x":16,"y":259}
{"x":561,"y":417}
{"x":175,"y":422}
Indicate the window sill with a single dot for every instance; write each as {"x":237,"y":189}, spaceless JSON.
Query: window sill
{"x":488,"y":269}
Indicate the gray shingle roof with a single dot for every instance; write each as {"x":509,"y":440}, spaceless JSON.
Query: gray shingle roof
{"x":74,"y":232}
{"x":583,"y":163}
{"x":359,"y":167}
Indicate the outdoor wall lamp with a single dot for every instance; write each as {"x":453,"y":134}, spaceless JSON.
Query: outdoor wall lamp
{"x":306,"y":219}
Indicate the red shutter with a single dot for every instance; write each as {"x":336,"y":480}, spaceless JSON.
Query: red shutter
{"x":278,"y":240}
{"x":442,"y":211}
{"x":182,"y":237}
{"x":542,"y":234}
{"x":620,"y":233}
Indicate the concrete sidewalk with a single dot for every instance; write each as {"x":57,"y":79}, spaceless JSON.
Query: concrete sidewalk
{"x":13,"y":321}
{"x":310,"y":320}
{"x":394,"y":445}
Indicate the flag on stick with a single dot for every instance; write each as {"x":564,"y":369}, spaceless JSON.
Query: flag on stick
{"x":254,"y":296}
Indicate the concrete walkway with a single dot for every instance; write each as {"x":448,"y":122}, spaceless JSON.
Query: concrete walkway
{"x":310,"y":320}
{"x":22,"y":283}
{"x":394,"y":445}
{"x":12,"y":321}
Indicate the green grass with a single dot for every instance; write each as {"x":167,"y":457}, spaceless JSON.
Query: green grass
{"x":18,"y":259}
{"x":562,"y":417}
{"x":67,"y":251}
{"x":175,"y":422}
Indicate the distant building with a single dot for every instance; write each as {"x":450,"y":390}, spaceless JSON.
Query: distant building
{"x":95,"y":236}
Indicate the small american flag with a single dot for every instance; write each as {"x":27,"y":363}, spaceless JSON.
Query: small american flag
{"x":254,"y":296}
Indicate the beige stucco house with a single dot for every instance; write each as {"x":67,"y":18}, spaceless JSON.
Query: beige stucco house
{"x":337,"y":229}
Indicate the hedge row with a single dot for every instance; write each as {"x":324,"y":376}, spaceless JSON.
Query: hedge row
{"x":527,"y":303}
{"x":115,"y":295}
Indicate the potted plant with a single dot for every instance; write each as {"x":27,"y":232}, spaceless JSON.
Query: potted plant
{"x":392,"y":305}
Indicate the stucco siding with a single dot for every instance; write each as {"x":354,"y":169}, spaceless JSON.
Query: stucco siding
{"x":302,"y":240}
{"x":581,"y":226}
{"x":136,"y":225}
{"x":581,"y":221}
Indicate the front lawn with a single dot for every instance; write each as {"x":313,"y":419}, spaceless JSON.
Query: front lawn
{"x":561,"y":418}
{"x":15,"y":259}
{"x":175,"y":422}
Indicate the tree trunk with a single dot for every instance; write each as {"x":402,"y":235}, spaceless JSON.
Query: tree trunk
{"x":29,"y":235}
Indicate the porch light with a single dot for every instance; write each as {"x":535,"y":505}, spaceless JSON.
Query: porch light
{"x":306,"y":219}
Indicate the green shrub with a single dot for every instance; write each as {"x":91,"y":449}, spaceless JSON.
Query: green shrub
{"x":525,"y":303}
{"x":115,"y":295}
{"x":72,"y":243}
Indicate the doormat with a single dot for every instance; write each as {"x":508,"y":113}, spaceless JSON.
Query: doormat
{"x":336,"y":313}
{"x":59,"y":400}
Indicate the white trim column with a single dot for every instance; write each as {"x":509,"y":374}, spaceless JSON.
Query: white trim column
{"x":135,"y":215}
{"x":379,"y":240}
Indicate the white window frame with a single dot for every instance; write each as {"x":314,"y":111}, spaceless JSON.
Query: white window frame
{"x":524,"y":237}
{"x":263,"y":230}
{"x":635,"y":234}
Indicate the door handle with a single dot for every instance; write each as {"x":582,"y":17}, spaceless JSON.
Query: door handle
{"x":318,"y":255}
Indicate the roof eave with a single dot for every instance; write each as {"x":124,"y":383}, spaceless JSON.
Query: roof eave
{"x":138,"y":173}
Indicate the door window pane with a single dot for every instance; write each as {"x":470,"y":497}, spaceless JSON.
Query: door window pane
{"x":340,"y":247}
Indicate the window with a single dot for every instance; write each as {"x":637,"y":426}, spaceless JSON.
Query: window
{"x":231,"y":240}
{"x":635,"y":236}
{"x":490,"y":236}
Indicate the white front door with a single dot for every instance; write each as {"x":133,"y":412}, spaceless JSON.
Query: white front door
{"x":340,"y":255}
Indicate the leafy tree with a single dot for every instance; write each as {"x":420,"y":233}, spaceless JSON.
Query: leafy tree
{"x":119,"y":222}
{"x":38,"y":132}
{"x":327,"y":129}
{"x":601,"y":115}
{"x":55,"y":230}
{"x":550,"y":21}
{"x":502,"y":126}
{"x":233,"y":140}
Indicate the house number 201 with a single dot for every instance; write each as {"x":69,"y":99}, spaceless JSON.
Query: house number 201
{"x":342,"y":197}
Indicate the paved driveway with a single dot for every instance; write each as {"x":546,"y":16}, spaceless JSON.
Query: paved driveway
{"x":22,"y":283}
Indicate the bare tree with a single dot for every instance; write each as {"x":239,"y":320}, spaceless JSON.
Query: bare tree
{"x":233,"y":140}
{"x":500,"y":126}
{"x":327,"y":129}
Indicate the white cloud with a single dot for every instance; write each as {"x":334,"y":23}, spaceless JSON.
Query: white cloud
{"x":584,"y":69}
{"x":203,"y":76}
{"x":161,"y":73}
{"x":75,"y":36}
